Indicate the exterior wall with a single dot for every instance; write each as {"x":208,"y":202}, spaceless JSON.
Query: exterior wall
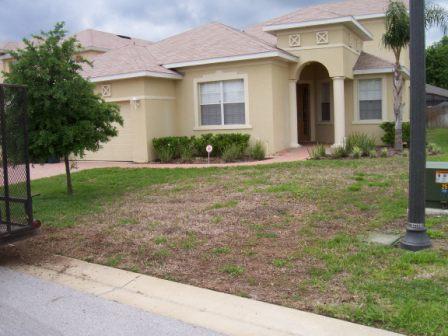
{"x":160,"y":110}
{"x":372,"y":127}
{"x":281,"y":111}
{"x":338,"y":55}
{"x":260,"y":78}
{"x":377,"y":28}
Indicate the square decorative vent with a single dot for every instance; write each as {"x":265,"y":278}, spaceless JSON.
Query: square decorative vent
{"x":294,"y":40}
{"x":106,"y":91}
{"x":322,"y":37}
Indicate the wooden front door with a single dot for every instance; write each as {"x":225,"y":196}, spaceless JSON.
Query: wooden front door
{"x":303,"y":112}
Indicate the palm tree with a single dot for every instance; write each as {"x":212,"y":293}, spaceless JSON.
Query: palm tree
{"x":396,"y":38}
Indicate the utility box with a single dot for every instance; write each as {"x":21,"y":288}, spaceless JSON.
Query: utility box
{"x":437,"y":185}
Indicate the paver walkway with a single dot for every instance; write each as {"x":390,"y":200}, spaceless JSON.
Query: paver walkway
{"x":47,"y":170}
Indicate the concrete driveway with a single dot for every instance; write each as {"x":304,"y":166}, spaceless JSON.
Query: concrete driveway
{"x":31,"y":306}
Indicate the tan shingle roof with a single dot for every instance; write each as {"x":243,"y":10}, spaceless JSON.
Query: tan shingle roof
{"x":320,"y":12}
{"x":102,"y":40}
{"x":90,"y":38}
{"x":368,"y":61}
{"x":210,"y":41}
{"x":213,"y":40}
{"x":334,"y":10}
{"x":125,"y":60}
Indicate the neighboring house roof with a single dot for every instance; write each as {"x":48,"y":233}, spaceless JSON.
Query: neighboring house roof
{"x":358,"y":9}
{"x":435,"y":90}
{"x":126,"y":62}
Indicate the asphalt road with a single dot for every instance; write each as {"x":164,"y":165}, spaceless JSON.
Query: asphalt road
{"x":30,"y":306}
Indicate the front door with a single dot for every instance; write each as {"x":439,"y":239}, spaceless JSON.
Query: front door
{"x":303,"y":113}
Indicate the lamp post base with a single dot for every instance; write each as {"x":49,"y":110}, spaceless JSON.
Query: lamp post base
{"x":415,"y":240}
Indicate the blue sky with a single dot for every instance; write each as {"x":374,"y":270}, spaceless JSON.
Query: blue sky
{"x":147,"y":19}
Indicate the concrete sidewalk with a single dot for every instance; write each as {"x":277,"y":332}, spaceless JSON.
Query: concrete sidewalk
{"x":223,"y":313}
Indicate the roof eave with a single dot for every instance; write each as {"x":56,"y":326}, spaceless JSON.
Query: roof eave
{"x":137,"y":74}
{"x":349,"y":20}
{"x":268,"y":54}
{"x":382,"y":70}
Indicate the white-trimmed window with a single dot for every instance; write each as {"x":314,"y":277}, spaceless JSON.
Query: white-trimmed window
{"x":325,"y":102}
{"x":222,"y":103}
{"x":370,"y":97}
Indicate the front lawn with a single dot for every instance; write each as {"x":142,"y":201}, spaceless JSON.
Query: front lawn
{"x":440,"y":137}
{"x":291,"y":234}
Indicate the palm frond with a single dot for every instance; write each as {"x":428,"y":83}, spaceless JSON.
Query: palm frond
{"x":436,"y":16}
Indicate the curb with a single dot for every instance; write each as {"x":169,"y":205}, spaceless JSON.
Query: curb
{"x":224,"y":313}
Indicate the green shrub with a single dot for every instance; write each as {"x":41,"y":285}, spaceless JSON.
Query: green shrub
{"x":389,"y":133}
{"x":257,"y":151}
{"x":185,"y":148}
{"x":340,"y":152}
{"x":372,"y":154}
{"x":356,"y":152}
{"x":433,"y":149}
{"x":384,"y":152}
{"x":172,"y":147}
{"x":166,"y":154}
{"x":363,"y":141}
{"x":232,"y":153}
{"x":317,"y":152}
{"x":187,"y":153}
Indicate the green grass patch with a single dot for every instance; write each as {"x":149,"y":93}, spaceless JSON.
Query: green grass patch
{"x":233,"y":270}
{"x":227,"y":204}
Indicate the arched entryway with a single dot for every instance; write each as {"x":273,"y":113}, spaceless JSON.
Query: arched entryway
{"x":315,"y":107}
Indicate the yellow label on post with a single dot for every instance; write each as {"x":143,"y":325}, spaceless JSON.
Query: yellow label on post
{"x":442,"y":176}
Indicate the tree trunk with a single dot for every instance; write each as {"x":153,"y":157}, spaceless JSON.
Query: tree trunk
{"x":398,"y":106}
{"x":68,"y":175}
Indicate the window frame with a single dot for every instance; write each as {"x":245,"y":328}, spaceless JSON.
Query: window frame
{"x":220,"y":77}
{"x":319,"y":102}
{"x":357,"y":114}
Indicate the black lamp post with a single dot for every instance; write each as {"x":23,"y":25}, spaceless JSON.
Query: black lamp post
{"x":416,"y":237}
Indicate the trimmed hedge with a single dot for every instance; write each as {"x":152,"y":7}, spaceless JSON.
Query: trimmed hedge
{"x":389,"y":133}
{"x":179,"y":147}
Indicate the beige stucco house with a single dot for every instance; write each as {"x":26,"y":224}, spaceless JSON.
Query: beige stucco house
{"x":314,"y":75}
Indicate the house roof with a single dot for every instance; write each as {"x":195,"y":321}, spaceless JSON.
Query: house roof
{"x":435,"y":90}
{"x":129,"y":61}
{"x":89,"y":39}
{"x":368,"y":61}
{"x":358,"y":9}
{"x":210,"y":43}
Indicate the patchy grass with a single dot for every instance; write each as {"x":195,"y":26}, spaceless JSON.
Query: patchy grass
{"x":233,"y":270}
{"x":290,"y":234}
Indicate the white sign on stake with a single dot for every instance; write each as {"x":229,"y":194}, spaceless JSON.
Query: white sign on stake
{"x":209,"y":149}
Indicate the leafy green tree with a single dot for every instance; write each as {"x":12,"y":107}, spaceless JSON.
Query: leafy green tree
{"x":396,"y":38}
{"x":66,"y":117}
{"x":437,"y":63}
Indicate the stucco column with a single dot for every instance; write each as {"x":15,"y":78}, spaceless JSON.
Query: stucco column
{"x":339,"y":111}
{"x":293,"y":113}
{"x":140,"y":141}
